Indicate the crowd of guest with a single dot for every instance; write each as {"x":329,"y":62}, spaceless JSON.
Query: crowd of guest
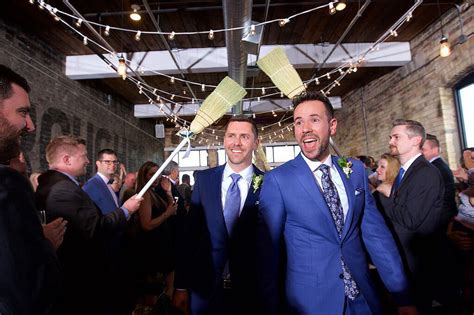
{"x":300,"y":243}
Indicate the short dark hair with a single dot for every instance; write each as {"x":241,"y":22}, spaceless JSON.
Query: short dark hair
{"x":185,"y":177}
{"x":7,"y":78}
{"x":244,"y":118}
{"x":364,"y":159}
{"x":314,"y":96}
{"x":433,"y":139}
{"x":414,"y":128}
{"x":101,"y":153}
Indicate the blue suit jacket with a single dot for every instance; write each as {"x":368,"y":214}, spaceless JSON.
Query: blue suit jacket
{"x":204,"y":245}
{"x":97,"y":190}
{"x":293,"y":212}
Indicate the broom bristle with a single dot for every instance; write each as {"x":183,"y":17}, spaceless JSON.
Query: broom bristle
{"x":277,"y":66}
{"x":226,"y":94}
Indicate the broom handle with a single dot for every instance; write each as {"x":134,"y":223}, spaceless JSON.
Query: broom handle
{"x":162,"y":167}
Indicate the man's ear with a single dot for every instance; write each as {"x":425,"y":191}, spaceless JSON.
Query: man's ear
{"x":66,"y":159}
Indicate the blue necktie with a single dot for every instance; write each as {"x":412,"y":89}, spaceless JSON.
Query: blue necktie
{"x":232,"y":203}
{"x":334,"y":203}
{"x":399,"y":178}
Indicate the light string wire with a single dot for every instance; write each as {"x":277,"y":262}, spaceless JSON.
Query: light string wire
{"x":146,"y":89}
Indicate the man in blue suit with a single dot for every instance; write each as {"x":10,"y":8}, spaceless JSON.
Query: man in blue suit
{"x":215,"y":269}
{"x":319,"y":208}
{"x":99,"y":187}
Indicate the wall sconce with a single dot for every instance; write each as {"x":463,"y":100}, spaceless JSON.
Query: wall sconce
{"x":444,"y":47}
{"x":135,"y":15}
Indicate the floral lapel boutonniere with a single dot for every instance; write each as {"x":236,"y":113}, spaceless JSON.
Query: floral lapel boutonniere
{"x":345,"y":165}
{"x":257,"y":181}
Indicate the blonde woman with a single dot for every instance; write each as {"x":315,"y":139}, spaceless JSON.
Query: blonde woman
{"x":387,"y":170}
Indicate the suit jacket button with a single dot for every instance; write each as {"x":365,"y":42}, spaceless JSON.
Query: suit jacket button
{"x":341,"y":276}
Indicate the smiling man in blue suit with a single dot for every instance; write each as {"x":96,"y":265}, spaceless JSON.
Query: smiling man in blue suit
{"x":216,"y":269}
{"x":321,"y":211}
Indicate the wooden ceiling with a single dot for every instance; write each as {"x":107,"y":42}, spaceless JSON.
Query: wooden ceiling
{"x":193,"y":15}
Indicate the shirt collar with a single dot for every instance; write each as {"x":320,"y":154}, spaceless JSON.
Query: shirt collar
{"x":105,"y":179}
{"x":410,"y":162}
{"x":436,"y":157}
{"x":314,"y":165}
{"x":70,"y":177}
{"x":246,"y":173}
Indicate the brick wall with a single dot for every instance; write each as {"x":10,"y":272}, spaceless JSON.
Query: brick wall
{"x":421,"y":90}
{"x":63,"y":106}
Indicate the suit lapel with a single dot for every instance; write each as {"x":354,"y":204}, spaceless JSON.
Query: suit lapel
{"x":307,"y":180}
{"x":105,"y":189}
{"x":350,"y":192}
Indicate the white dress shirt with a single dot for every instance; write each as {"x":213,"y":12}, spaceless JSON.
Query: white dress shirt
{"x":244,"y":183}
{"x":335,"y":177}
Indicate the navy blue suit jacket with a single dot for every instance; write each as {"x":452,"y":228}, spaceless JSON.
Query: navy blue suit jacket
{"x":293,"y":213}
{"x":98,"y":191}
{"x":206,"y":246}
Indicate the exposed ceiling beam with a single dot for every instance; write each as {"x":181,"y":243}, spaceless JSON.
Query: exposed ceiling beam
{"x":208,"y":60}
{"x":153,"y":111}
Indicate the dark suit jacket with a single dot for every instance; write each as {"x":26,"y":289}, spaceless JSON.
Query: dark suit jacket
{"x":449,"y":203}
{"x":29,"y":270}
{"x":80,"y":254}
{"x":293,"y":211}
{"x":206,"y":246}
{"x":415,"y":211}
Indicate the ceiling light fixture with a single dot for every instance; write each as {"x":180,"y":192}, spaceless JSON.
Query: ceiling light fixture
{"x":135,"y":15}
{"x":341,"y":5}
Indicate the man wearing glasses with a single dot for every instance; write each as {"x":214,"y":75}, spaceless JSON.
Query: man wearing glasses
{"x":99,"y":187}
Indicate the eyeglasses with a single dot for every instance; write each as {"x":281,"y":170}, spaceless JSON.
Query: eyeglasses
{"x":108,"y":162}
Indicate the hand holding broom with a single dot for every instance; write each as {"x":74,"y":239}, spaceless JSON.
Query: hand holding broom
{"x":226,"y":94}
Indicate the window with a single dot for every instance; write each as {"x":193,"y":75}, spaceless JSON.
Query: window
{"x":197,"y":160}
{"x":465,"y":110}
{"x":279,"y":154}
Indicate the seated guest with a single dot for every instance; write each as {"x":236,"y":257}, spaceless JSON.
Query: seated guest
{"x":80,"y":255}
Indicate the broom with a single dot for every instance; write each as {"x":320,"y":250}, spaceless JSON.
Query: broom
{"x":226,"y":94}
{"x":277,"y":66}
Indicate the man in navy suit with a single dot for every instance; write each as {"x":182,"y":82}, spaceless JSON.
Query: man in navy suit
{"x":216,"y":270}
{"x":99,"y":187}
{"x":326,"y":219}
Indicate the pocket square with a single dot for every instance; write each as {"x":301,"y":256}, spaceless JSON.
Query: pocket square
{"x":358,"y":191}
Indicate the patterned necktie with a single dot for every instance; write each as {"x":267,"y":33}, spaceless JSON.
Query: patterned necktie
{"x":398,"y":179}
{"x":334,"y":203}
{"x":232,"y":203}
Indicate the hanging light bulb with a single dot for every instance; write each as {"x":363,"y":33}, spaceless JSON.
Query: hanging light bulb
{"x":79,"y":23}
{"x":328,"y":76}
{"x":273,"y":113}
{"x":171,"y":35}
{"x":172,"y":80}
{"x":107,"y":31}
{"x":122,"y":68}
{"x":444,"y":48}
{"x":211,"y":35}
{"x":263,"y":91}
{"x":135,"y":15}
{"x":84,"y":40}
{"x":409,"y":16}
{"x":258,"y":98}
{"x":172,"y":97}
{"x":341,"y":5}
{"x":281,"y":94}
{"x":254,"y":116}
{"x":203,"y":87}
{"x":137,"y":36}
{"x":332,"y":9}
{"x":252,"y":30}
{"x":317,"y":81}
{"x":283,"y":22}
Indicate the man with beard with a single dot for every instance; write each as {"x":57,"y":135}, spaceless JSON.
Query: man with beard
{"x":416,"y":209}
{"x":29,"y":281}
{"x":215,"y":268}
{"x":320,"y":209}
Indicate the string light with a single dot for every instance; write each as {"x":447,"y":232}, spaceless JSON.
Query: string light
{"x":332,"y":9}
{"x":281,"y":94}
{"x":409,"y":16}
{"x":171,"y":35}
{"x":283,"y":22}
{"x":252,"y":30}
{"x":107,"y":31}
{"x":32,"y":1}
{"x":316,"y":81}
{"x":211,"y":35}
{"x":137,"y":36}
{"x":172,"y":80}
{"x":263,"y":91}
{"x":79,"y":23}
{"x":122,"y":68}
{"x":172,"y":97}
{"x":203,"y":88}
{"x":393,"y":33}
{"x":328,"y":76}
{"x":84,"y":40}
